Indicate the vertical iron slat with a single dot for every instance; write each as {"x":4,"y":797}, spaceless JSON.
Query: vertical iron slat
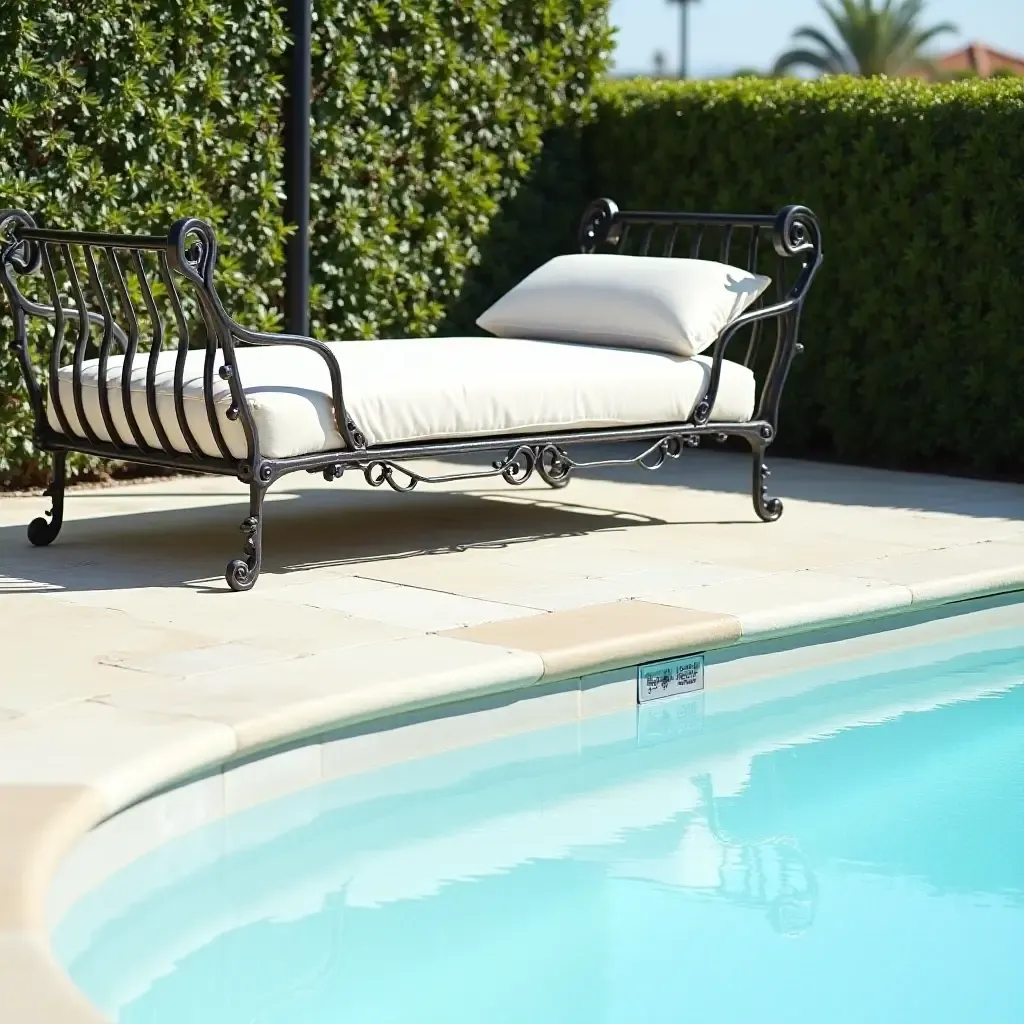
{"x":645,"y":246}
{"x":695,"y":248}
{"x":212,"y":348}
{"x":179,"y":362}
{"x":726,"y":247}
{"x":670,"y":243}
{"x":80,"y":345}
{"x":752,"y":252}
{"x":154,"y":352}
{"x":623,"y":239}
{"x":105,"y":343}
{"x":755,"y":331}
{"x":130,"y":350}
{"x":58,"y":341}
{"x":755,"y":338}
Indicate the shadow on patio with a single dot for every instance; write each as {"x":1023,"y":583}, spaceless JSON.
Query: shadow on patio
{"x":303,"y":529}
{"x":728,"y":472}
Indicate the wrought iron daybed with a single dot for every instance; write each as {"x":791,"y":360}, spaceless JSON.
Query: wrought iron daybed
{"x":188,"y":388}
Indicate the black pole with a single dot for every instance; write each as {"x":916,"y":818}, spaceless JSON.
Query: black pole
{"x":298,"y":110}
{"x":683,"y":42}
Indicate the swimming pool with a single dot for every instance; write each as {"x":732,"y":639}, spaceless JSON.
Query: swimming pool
{"x":843,"y":844}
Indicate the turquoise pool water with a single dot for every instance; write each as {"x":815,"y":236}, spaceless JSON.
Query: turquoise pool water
{"x":837,"y":846}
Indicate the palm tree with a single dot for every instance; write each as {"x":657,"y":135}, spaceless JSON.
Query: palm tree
{"x":887,"y":39}
{"x":684,"y":14}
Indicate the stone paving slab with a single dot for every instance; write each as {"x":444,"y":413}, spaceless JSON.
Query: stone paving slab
{"x":128,"y":665}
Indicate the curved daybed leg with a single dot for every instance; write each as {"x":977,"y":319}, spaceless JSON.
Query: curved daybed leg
{"x":768,"y":509}
{"x":242,"y":573}
{"x":44,"y":531}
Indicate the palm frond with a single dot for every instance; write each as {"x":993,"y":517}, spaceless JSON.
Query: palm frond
{"x":925,"y":36}
{"x":822,"y":42}
{"x":866,"y":38}
{"x":798,"y":58}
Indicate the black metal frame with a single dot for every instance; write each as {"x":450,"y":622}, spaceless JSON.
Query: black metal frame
{"x":189,"y":252}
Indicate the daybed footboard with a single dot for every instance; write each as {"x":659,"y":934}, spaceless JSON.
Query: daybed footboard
{"x":138,"y":318}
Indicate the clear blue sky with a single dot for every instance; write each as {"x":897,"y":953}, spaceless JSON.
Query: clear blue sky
{"x":730,"y":34}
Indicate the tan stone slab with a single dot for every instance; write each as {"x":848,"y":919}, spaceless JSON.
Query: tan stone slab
{"x":279,"y":625}
{"x":411,"y":608}
{"x":766,"y":605}
{"x":33,"y":988}
{"x":957,"y":571}
{"x":48,"y":623}
{"x":125,"y":754}
{"x":606,"y":636}
{"x":38,"y":825}
{"x":267,"y":704}
{"x":58,"y":679}
{"x":470,"y":573}
{"x":763,"y":548}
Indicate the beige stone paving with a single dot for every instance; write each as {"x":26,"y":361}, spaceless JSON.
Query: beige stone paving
{"x":128,"y":665}
{"x":131,"y":592}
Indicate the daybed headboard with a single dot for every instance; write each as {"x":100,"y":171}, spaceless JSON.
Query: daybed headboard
{"x":132,"y":301}
{"x":785,"y":246}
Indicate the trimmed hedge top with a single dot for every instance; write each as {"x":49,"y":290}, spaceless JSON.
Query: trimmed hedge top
{"x":914,"y":331}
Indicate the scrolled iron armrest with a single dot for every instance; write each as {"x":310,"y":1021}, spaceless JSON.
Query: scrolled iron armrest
{"x":796,"y":231}
{"x":703,"y":411}
{"x":354,"y":439}
{"x":196,"y":263}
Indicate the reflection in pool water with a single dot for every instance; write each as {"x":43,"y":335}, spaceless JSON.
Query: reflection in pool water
{"x":847,"y":852}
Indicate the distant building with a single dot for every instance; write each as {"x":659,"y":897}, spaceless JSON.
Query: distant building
{"x":980,"y":59}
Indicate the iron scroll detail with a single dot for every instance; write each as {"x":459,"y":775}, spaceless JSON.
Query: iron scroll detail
{"x":21,"y":254}
{"x":796,"y":231}
{"x":551,"y":462}
{"x":596,"y":225}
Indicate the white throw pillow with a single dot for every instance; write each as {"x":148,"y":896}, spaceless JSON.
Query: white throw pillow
{"x":649,"y":302}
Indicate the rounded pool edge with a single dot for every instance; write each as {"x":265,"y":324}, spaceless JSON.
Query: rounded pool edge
{"x":48,"y":825}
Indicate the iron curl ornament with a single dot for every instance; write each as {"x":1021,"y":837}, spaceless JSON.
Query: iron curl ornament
{"x":21,"y":254}
{"x":549,"y":461}
{"x":796,"y":232}
{"x":597,"y":225}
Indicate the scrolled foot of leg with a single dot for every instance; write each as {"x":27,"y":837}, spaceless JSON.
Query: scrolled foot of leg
{"x":43,"y":531}
{"x":241,"y":575}
{"x":767,"y":509}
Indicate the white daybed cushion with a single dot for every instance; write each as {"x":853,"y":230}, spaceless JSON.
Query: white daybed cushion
{"x":648,"y":302}
{"x":416,"y":390}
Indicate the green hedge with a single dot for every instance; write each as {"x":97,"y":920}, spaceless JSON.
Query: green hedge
{"x":455,"y":144}
{"x":429,"y":117}
{"x":914,"y":330}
